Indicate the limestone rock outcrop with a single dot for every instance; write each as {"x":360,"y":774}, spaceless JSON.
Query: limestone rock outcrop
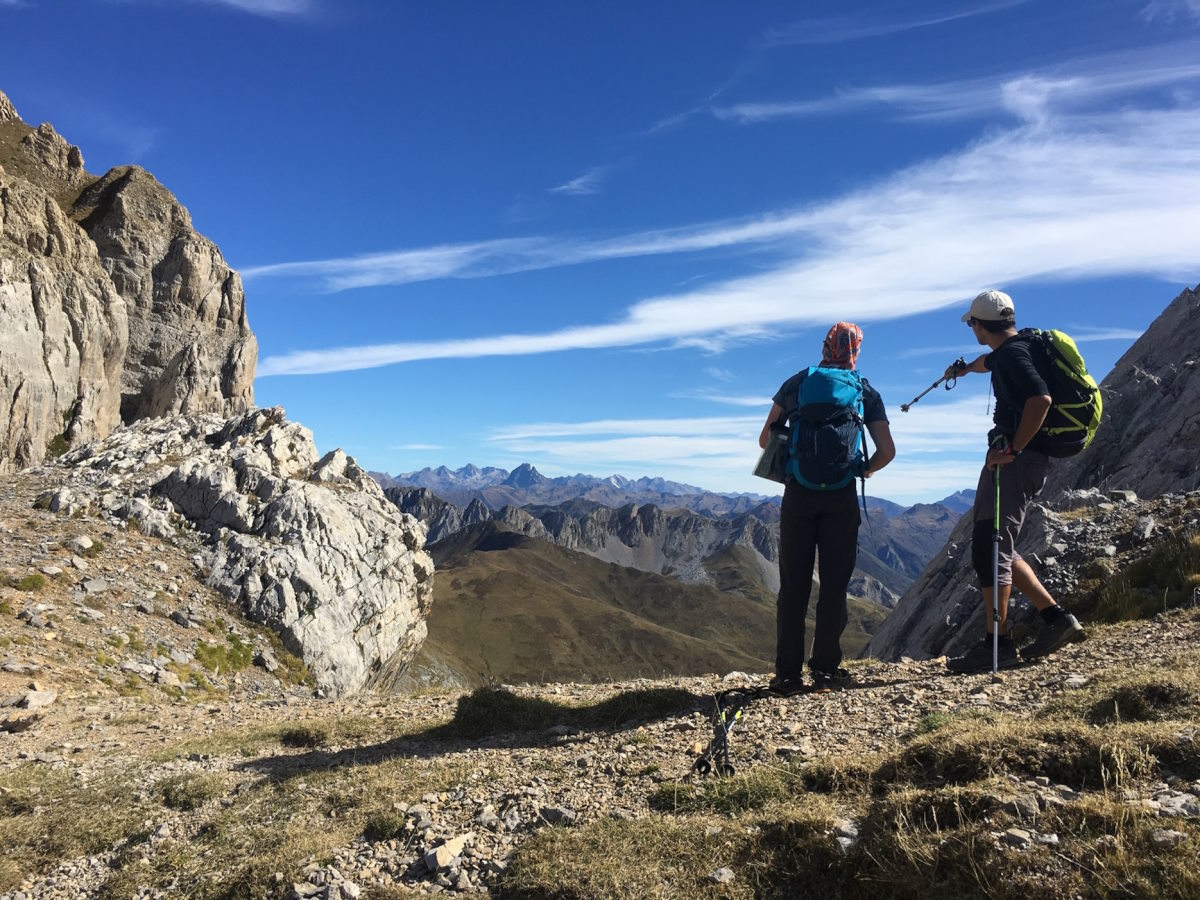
{"x":63,"y":330}
{"x":308,"y":546}
{"x":1146,"y":445}
{"x":190,"y":346}
{"x":104,"y":277}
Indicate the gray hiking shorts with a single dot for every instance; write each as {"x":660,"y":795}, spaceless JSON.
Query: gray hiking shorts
{"x":1020,"y":481}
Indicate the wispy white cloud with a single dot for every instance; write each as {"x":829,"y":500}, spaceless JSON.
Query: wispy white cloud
{"x":587,"y":183}
{"x":1088,"y":335}
{"x":689,"y":427}
{"x":269,"y":8}
{"x":1086,"y":196}
{"x":1029,"y":96}
{"x":1170,"y":10}
{"x":749,"y":401}
{"x":853,"y":28}
{"x":510,"y":255}
{"x":950,"y":351}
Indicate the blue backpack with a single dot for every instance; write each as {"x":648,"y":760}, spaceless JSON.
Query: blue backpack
{"x":828,"y":445}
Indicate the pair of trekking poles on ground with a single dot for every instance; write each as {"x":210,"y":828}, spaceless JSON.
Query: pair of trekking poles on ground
{"x":957,"y":368}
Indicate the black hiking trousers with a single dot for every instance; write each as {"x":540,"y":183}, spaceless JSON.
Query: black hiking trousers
{"x":814,"y":523}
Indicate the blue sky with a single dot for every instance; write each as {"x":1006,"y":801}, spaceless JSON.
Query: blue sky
{"x":597,"y":237}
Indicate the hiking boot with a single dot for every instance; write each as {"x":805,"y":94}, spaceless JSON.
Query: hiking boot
{"x":979,"y":657}
{"x":1064,"y":629}
{"x":826,"y":680}
{"x":786,"y":687}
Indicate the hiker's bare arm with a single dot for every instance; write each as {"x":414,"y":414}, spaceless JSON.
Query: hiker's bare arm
{"x":772,"y":417}
{"x":1033,"y":414}
{"x":976,"y":365}
{"x":885,"y":447}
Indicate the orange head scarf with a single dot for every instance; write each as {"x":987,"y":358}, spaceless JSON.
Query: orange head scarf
{"x":841,"y":345}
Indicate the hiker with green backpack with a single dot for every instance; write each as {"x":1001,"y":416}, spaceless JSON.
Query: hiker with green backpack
{"x":827,"y":411}
{"x":1046,"y":406}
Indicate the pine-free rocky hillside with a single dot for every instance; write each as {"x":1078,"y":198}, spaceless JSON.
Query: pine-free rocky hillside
{"x":1145,"y":448}
{"x":154,"y":745}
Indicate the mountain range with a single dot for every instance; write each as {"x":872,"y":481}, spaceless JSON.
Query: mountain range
{"x":496,"y":488}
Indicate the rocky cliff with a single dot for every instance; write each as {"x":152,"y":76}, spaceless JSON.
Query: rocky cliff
{"x":1146,"y":446}
{"x":63,"y":329}
{"x":114,"y":308}
{"x":1151,"y":432}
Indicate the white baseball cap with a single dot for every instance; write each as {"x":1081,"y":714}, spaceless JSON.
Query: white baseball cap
{"x":991,"y":306}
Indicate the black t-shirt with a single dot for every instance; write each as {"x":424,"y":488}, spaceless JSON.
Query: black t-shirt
{"x":1018,"y":373}
{"x":789,"y":393}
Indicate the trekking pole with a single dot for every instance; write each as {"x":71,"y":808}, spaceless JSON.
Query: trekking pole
{"x":996,"y":576}
{"x":959,"y":364}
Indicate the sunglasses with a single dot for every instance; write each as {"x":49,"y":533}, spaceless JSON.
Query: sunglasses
{"x":971,"y":322}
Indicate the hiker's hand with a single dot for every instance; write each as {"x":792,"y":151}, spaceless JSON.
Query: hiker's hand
{"x":999,"y":458}
{"x":956,"y":369}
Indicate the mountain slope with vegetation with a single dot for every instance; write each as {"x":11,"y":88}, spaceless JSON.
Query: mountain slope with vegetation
{"x":510,"y":608}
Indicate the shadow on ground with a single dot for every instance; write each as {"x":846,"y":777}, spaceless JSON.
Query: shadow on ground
{"x":486,"y":718}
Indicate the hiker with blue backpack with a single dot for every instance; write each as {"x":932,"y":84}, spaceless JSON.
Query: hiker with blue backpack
{"x":827,"y":409}
{"x":1046,"y":406}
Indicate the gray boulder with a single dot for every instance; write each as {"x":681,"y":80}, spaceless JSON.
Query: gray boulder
{"x":308,"y":546}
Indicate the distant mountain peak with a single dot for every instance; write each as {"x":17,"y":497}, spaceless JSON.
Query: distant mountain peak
{"x":525,"y":476}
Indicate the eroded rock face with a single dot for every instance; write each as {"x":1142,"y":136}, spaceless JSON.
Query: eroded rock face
{"x":190,"y":346}
{"x":63,"y":329}
{"x":308,"y":546}
{"x":62,"y":160}
{"x":8,"y":112}
{"x":1150,"y":436}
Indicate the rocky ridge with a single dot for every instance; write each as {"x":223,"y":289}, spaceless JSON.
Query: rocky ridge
{"x":524,"y":486}
{"x":114,"y":308}
{"x":683,"y":544}
{"x":308,"y":547}
{"x":666,"y":542}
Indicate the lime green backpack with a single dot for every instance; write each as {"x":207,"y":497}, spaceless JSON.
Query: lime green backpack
{"x":1075,"y":414}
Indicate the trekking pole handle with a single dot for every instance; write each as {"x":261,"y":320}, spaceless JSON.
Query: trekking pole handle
{"x":959,"y":366}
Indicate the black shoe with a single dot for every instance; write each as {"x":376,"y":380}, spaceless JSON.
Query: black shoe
{"x":1065,"y":629}
{"x":825,"y":680}
{"x":786,"y":687}
{"x":979,"y":658}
